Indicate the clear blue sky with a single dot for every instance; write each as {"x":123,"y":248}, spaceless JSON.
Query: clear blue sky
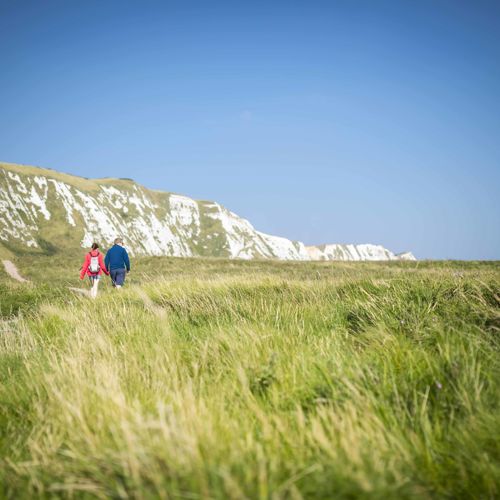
{"x":333,"y":121}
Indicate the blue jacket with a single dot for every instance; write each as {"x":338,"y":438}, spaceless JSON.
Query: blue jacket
{"x":117,"y":258}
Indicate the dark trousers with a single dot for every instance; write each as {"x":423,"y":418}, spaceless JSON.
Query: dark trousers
{"x":117,"y":276}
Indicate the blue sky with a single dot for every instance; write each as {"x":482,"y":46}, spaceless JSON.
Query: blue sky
{"x":323,"y":122}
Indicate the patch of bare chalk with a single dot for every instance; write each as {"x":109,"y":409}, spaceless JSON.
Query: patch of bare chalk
{"x":12,"y":271}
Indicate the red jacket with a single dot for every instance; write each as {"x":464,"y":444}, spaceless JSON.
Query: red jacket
{"x":86,"y":264}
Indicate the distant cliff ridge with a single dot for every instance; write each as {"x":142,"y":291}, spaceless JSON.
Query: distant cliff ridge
{"x":41,"y":208}
{"x":367,"y":251}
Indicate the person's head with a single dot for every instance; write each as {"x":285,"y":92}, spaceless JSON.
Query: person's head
{"x":94,"y":246}
{"x":118,"y":241}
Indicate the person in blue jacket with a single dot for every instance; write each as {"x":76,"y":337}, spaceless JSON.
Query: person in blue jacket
{"x":117,"y":263}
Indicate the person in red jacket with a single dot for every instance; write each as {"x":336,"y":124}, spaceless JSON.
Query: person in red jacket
{"x":93,"y":267}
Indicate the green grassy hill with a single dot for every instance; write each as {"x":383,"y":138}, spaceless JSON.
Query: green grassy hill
{"x":230,"y":379}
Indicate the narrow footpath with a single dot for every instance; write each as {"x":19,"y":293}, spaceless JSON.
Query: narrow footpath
{"x":12,"y":271}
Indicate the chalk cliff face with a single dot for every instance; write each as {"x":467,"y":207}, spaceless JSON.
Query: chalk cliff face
{"x":42,"y":208}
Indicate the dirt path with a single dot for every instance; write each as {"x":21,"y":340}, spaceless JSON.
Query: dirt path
{"x":12,"y":271}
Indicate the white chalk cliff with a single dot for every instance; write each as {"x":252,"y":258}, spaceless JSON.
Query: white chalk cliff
{"x":40,"y":206}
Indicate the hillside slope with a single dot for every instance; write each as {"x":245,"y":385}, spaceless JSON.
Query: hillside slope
{"x":39,"y":207}
{"x":42,"y":210}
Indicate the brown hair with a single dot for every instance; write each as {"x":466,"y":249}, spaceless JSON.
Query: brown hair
{"x":95,"y":246}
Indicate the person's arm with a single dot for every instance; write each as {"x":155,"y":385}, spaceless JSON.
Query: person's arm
{"x":85,"y":266}
{"x":126,"y":260}
{"x":106,"y":260}
{"x":103,"y":265}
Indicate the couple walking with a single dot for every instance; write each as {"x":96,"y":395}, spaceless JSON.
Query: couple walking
{"x":115,"y":264}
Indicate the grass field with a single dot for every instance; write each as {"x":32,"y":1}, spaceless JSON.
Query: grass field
{"x":226,"y":379}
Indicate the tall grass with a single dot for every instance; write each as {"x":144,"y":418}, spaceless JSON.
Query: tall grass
{"x":365,"y":384}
